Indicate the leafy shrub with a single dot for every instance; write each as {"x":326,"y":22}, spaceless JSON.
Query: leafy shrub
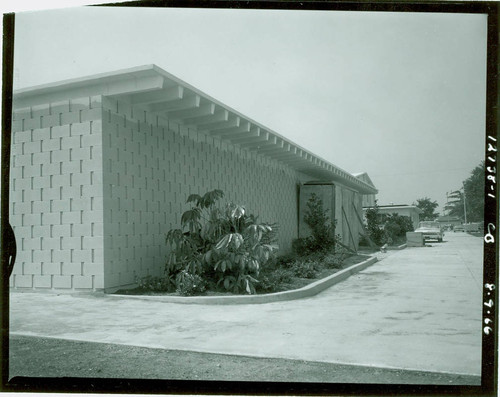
{"x":303,"y":246}
{"x":363,"y":241}
{"x":317,"y":256}
{"x":285,"y":260}
{"x":333,"y":261}
{"x":305,"y":269}
{"x":275,"y":280}
{"x":336,"y":259}
{"x":322,"y":228}
{"x":156,"y":284}
{"x":375,"y":227}
{"x":396,"y":227}
{"x":391,"y":230}
{"x":189,"y":284}
{"x":271,"y":236}
{"x":227,"y":245}
{"x":322,"y":238}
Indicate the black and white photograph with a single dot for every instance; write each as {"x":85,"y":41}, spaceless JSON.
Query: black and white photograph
{"x":251,"y":198}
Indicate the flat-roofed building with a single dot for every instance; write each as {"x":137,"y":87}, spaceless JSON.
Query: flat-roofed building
{"x":101,"y":168}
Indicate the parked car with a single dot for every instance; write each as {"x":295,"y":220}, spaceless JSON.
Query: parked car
{"x":430,"y":230}
{"x":458,"y":228}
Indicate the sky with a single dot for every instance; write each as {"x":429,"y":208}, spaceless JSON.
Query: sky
{"x":401,"y":96}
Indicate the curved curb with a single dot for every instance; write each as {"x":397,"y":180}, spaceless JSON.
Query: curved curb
{"x":397,"y":247}
{"x":304,"y":292}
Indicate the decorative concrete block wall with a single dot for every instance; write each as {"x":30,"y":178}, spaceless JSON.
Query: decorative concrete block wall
{"x":151,"y":165}
{"x":95,"y":188}
{"x":56,"y":196}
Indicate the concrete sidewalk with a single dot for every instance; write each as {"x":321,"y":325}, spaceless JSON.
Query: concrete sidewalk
{"x":419,"y":309}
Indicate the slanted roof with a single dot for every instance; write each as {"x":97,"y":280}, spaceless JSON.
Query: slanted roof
{"x":363,"y":176}
{"x":399,"y":207}
{"x":163,"y":94}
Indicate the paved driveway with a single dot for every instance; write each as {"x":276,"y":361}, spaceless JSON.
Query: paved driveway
{"x":419,"y":308}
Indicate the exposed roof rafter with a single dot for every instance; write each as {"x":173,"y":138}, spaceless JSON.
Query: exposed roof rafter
{"x":240,"y":130}
{"x":188,"y":102}
{"x":212,"y":128}
{"x":162,"y":96}
{"x":218,"y":116}
{"x":254,"y":136}
{"x":199,"y":111}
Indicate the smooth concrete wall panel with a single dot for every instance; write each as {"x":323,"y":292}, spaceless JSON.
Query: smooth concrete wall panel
{"x":346,"y":224}
{"x":351,"y":208}
{"x":357,"y":216}
{"x":339,"y":229}
{"x":348,"y":205}
{"x":56,"y":197}
{"x":151,"y":166}
{"x":368,"y":200}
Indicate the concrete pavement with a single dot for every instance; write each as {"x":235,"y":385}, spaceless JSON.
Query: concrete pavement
{"x":419,"y":308}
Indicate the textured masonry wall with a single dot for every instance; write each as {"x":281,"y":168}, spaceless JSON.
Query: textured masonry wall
{"x":151,"y":165}
{"x":56,"y":197}
{"x":96,"y":185}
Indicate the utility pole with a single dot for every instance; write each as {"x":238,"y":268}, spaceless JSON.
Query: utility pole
{"x":465,"y":208}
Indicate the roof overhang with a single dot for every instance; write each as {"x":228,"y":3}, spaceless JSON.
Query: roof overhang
{"x":363,"y":176}
{"x":387,"y":208}
{"x":157,"y":91}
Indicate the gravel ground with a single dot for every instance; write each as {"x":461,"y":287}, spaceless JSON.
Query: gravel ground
{"x":55,"y":358}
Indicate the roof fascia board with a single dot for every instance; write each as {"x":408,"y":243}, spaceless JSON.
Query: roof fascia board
{"x":80,"y":88}
{"x":399,"y":207}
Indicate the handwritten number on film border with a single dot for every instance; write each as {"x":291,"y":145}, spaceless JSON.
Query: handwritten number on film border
{"x":491,"y":170}
{"x":489,"y":238}
{"x":488,"y":329}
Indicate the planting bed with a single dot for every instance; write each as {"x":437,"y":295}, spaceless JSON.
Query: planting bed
{"x":297,"y":288}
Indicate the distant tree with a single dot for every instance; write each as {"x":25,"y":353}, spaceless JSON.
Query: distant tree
{"x":385,"y":228}
{"x":396,"y":227}
{"x":427,"y":206}
{"x":474,"y":194}
{"x":455,"y":204}
{"x":473,"y":187}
